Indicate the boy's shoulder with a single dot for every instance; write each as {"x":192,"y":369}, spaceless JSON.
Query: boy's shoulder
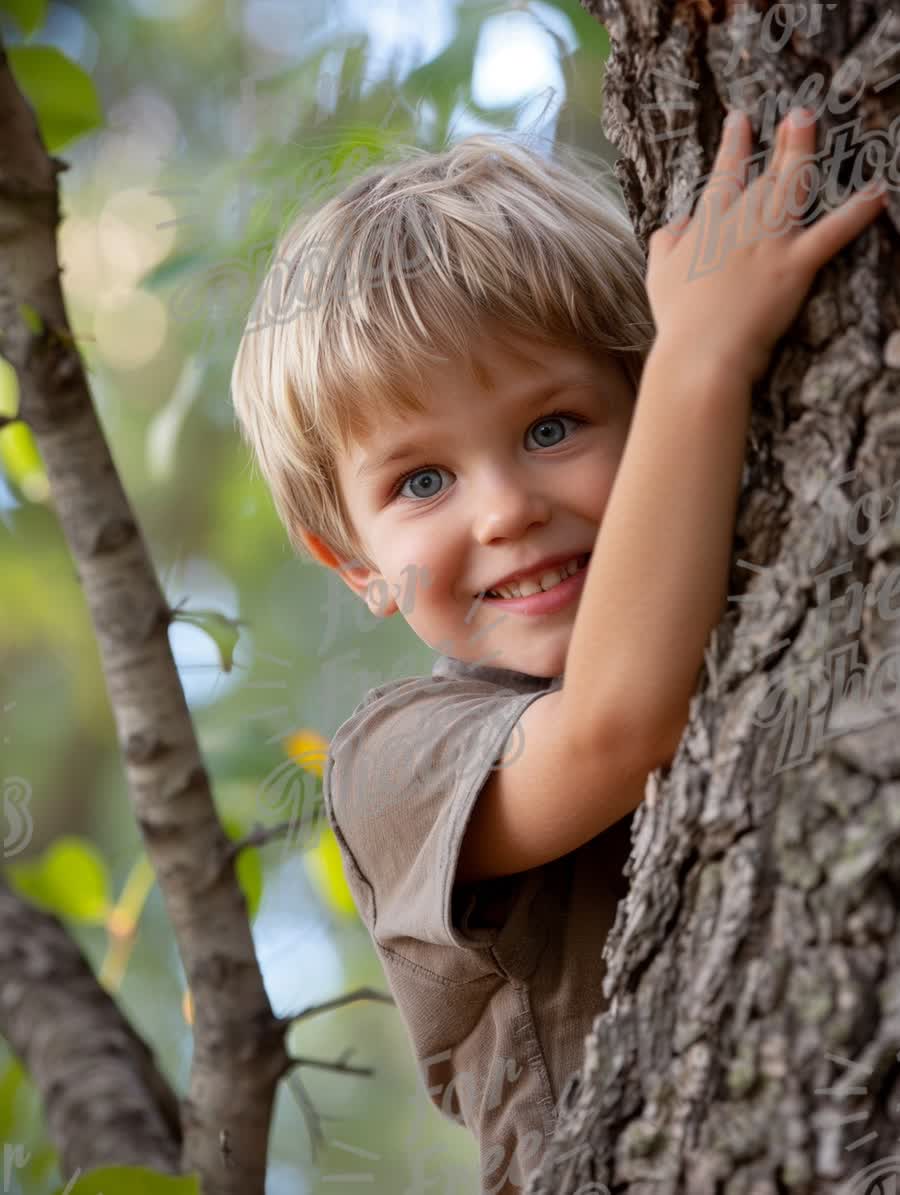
{"x":402,"y":775}
{"x":462,"y":677}
{"x":409,"y":718}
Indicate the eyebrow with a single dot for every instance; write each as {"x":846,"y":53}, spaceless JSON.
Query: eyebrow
{"x":529,"y":399}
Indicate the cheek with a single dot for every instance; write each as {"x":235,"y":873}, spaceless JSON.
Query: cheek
{"x":588,"y":489}
{"x":608,"y":466}
{"x":413,"y":568}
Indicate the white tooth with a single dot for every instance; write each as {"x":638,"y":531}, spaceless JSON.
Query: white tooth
{"x":547,"y":581}
{"x":527,"y":588}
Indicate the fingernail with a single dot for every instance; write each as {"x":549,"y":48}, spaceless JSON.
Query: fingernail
{"x":800,"y":118}
{"x":734,"y":118}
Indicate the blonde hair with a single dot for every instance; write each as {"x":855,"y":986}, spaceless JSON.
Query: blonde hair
{"x":410,"y":263}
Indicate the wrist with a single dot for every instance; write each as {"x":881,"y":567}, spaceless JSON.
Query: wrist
{"x":696,"y":367}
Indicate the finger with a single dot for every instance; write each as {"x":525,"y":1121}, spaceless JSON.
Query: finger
{"x":762,"y":206}
{"x":781,"y":137}
{"x":796,"y":170}
{"x":831,"y":233}
{"x":729,"y":172}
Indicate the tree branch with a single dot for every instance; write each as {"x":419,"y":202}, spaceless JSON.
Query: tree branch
{"x":340,"y":1067}
{"x":239,"y":1049}
{"x":102,"y":1093}
{"x":338,"y":1002}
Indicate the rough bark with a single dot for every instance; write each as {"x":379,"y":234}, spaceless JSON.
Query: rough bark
{"x":751,"y":1046}
{"x":239,"y":1047}
{"x":103,"y":1097}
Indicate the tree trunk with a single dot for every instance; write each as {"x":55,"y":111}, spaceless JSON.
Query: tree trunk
{"x":220,"y":1130}
{"x":76,"y":1043}
{"x":751,"y":1046}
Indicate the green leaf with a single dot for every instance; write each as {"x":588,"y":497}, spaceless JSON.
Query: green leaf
{"x":223,"y":631}
{"x":63,"y":96}
{"x":125,"y":1180}
{"x":42,"y":1165}
{"x":10,"y":1083}
{"x":74,"y":871}
{"x":70,"y":879}
{"x":28,"y":14}
{"x":25,"y":878}
{"x":248,"y":868}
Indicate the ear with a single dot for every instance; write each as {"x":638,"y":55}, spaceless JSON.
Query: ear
{"x":353,"y":573}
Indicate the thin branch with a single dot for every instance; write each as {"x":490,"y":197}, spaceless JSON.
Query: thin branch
{"x":222,"y":861}
{"x":340,"y":1067}
{"x":338,"y":1002}
{"x":259,"y":836}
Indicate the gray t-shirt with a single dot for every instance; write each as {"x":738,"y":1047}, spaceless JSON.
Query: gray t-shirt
{"x":498,"y":982}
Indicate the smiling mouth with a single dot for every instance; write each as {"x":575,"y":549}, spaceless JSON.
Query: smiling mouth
{"x":493,"y":595}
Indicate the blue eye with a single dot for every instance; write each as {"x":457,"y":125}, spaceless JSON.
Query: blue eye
{"x":408,"y":476}
{"x":395,"y":494}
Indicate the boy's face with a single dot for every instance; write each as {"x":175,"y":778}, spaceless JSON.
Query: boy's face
{"x":495,"y":487}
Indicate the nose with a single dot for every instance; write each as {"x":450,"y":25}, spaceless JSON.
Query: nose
{"x":506,"y":508}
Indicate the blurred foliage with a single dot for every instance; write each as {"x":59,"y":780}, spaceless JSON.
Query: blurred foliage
{"x":27,"y":14}
{"x":192,"y":140}
{"x":69,"y":879}
{"x":126,"y":1180}
{"x":62,"y":95}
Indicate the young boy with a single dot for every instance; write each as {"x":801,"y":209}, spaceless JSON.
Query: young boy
{"x":469,"y":301}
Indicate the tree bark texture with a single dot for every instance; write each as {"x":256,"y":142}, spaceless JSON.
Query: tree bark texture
{"x":751,"y":1046}
{"x":239,"y":1044}
{"x":102,"y":1094}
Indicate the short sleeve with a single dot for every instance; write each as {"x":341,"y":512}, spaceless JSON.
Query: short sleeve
{"x":400,"y":782}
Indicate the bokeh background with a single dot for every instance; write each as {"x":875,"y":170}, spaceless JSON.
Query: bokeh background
{"x":218,"y":121}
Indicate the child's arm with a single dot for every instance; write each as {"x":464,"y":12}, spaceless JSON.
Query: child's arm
{"x":655,"y":584}
{"x":656,"y":581}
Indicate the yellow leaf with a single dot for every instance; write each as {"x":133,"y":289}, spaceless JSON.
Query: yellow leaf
{"x":9,"y":389}
{"x":76,"y":879}
{"x":326,"y":869}
{"x":308,"y":749}
{"x":22,"y":462}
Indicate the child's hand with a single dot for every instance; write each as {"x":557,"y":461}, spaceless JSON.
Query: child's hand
{"x":730,"y":281}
